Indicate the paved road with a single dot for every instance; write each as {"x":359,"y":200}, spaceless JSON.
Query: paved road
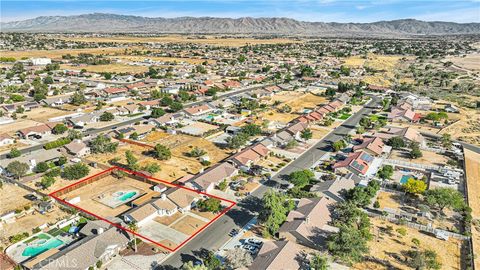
{"x":214,"y":236}
{"x":311,"y":156}
{"x":140,"y":118}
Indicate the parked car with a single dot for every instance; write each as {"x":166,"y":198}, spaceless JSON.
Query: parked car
{"x":233,"y":232}
{"x":254,"y":242}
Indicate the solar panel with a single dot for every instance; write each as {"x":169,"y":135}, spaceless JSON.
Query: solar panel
{"x":357,"y":166}
{"x":366,"y":157}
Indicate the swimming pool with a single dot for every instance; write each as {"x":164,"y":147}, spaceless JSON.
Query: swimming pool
{"x":40,"y":247}
{"x":126,"y":196}
{"x":405,"y":178}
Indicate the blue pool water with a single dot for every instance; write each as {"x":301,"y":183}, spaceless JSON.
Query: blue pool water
{"x":127,"y":196}
{"x":405,"y":178}
{"x":47,"y":245}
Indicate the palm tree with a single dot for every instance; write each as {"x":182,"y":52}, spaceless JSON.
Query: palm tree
{"x":134,"y":228}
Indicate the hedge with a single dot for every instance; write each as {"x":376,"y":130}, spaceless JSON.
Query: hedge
{"x":57,"y":143}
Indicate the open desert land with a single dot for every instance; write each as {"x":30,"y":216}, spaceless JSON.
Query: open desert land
{"x":386,"y":245}
{"x":472,"y":169}
{"x":208,"y":40}
{"x":469,"y":61}
{"x":386,"y":66}
{"x":57,"y":54}
{"x":116,"y":68}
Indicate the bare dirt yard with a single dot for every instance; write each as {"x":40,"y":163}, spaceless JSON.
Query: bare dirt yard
{"x":188,"y":225}
{"x":428,"y":158}
{"x":472,"y":168}
{"x":42,"y":114}
{"x":387,"y":245}
{"x":13,"y":197}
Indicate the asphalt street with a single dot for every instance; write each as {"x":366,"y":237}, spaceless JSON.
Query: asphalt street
{"x":215,"y":235}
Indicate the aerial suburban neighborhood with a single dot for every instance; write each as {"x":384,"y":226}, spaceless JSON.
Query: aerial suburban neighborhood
{"x":218,"y":143}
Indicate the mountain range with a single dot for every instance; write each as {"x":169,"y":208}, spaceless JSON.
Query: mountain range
{"x":113,"y":23}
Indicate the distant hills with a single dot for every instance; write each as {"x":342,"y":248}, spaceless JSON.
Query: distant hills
{"x":112,"y":23}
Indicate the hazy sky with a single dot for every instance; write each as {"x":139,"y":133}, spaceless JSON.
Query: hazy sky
{"x":307,"y":10}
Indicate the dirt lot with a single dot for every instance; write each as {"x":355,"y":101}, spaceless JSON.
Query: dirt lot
{"x":119,"y":68}
{"x":304,"y":101}
{"x":385,"y":245}
{"x":188,"y":225}
{"x":428,"y":158}
{"x":472,"y":163}
{"x":13,"y":198}
{"x":210,"y":40}
{"x":385,"y":64}
{"x":13,"y":127}
{"x":468,"y":62}
{"x":274,"y":116}
{"x":42,"y":114}
{"x":179,"y":165}
{"x":387,"y":199}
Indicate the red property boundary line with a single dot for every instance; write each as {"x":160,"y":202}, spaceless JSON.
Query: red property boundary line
{"x":232,"y":204}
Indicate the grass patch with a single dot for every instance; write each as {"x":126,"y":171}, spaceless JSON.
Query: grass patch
{"x":344,"y":116}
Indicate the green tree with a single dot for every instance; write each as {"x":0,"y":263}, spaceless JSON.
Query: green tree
{"x":14,"y":153}
{"x":396,"y":142}
{"x":59,"y":129}
{"x":17,"y":169}
{"x":47,"y":181}
{"x":318,"y":262}
{"x":41,"y":167}
{"x":176,"y":106}
{"x":157,"y":112}
{"x":107,"y":116}
{"x":74,"y":134}
{"x":446,"y":140}
{"x":131,"y":160}
{"x":426,"y":259}
{"x":211,"y":261}
{"x":78,"y":98}
{"x":132,"y":226}
{"x":306,"y":134}
{"x":196,"y":152}
{"x":414,"y":186}
{"x":237,"y":141}
{"x":416,"y":153}
{"x":338,"y":145}
{"x":210,"y":205}
{"x":252,"y":130}
{"x":386,"y":172}
{"x":162,"y":152}
{"x":348,"y":245}
{"x":275,"y":207}
{"x":301,"y":178}
{"x":75,"y":171}
{"x":103,"y":144}
{"x":445,"y":197}
{"x":151,"y":168}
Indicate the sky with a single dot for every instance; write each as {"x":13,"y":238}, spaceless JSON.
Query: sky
{"x":461,"y":11}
